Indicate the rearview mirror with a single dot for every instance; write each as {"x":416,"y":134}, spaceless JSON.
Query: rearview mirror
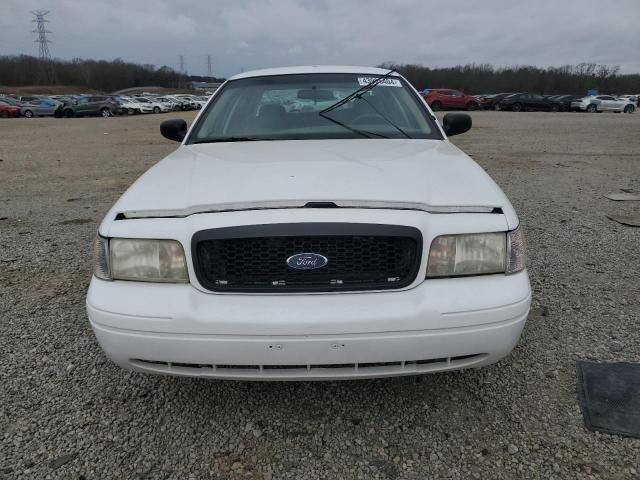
{"x":456,"y":123}
{"x":174,"y":129}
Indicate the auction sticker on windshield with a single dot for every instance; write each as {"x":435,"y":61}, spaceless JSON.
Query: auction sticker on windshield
{"x":387,"y":82}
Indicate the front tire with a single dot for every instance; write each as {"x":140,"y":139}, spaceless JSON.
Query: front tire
{"x":156,"y":109}
{"x":28,"y":114}
{"x":629,"y":109}
{"x":592,"y":108}
{"x":105,"y":112}
{"x":471,"y":106}
{"x":554,"y":108}
{"x":436,"y":106}
{"x":516,"y":107}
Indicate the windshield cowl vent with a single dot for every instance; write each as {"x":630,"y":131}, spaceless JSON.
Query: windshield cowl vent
{"x":320,"y":205}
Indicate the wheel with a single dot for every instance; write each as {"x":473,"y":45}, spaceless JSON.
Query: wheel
{"x":516,"y":107}
{"x":436,"y":106}
{"x":105,"y":112}
{"x":629,"y":109}
{"x":68,"y":113}
{"x":497,"y":107}
{"x":592,"y":108}
{"x":156,"y":109}
{"x":472,"y":106}
{"x":28,"y":114}
{"x":554,"y":108}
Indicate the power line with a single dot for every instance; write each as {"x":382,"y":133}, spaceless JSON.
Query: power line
{"x":46,"y":67}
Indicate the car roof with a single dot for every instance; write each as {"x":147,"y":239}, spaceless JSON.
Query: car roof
{"x":313,"y":69}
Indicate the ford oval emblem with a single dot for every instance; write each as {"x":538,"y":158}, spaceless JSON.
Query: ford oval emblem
{"x":307,"y":261}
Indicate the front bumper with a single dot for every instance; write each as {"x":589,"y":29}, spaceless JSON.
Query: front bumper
{"x":438,"y":325}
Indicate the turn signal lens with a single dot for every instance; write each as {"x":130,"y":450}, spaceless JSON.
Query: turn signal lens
{"x":101,"y":258}
{"x":516,"y":248}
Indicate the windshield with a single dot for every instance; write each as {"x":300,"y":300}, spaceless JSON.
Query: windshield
{"x":296,"y":107}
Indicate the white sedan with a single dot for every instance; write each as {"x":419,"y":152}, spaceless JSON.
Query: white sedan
{"x":156,"y":107}
{"x":348,"y":239}
{"x":604,"y":103}
{"x":132,"y":106}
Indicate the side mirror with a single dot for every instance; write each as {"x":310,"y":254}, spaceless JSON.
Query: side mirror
{"x":456,"y":123}
{"x":175,"y":129}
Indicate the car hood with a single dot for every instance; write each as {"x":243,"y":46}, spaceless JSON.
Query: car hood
{"x":428,"y":175}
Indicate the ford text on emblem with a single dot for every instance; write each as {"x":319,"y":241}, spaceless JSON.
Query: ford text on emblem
{"x":307,"y":261}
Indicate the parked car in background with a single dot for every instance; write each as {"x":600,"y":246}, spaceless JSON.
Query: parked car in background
{"x":131,"y":106}
{"x":11,"y":100}
{"x":171,"y":103}
{"x":201,"y":101}
{"x":8,"y":110}
{"x":93,"y":105}
{"x":564,"y":101}
{"x":632,"y":98}
{"x":519,"y":102}
{"x":156,"y":107}
{"x":41,"y":107}
{"x":604,"y":103}
{"x":444,"y":99}
{"x":489,"y":102}
{"x":188,"y":100}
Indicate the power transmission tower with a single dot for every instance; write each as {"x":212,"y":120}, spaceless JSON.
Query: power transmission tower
{"x":181,"y":59}
{"x":46,"y":67}
{"x":209,"y":70}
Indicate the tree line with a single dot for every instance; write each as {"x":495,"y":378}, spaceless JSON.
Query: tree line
{"x":107,"y":76}
{"x":484,"y":78}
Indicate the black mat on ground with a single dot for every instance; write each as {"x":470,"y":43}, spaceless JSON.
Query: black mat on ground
{"x":609,"y":395}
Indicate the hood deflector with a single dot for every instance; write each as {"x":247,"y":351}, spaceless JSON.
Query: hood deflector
{"x":273,"y":205}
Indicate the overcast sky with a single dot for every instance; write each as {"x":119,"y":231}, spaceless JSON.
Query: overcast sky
{"x":247,"y":34}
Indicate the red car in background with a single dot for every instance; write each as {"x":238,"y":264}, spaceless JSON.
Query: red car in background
{"x":7,"y":110}
{"x":446,"y":99}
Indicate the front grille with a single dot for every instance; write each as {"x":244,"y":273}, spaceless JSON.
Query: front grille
{"x":359,"y":257}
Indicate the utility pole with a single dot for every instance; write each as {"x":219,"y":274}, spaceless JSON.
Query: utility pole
{"x":209,"y":71}
{"x":181,"y":62}
{"x":47,"y":74}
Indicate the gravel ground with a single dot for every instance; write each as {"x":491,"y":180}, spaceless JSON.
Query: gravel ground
{"x":66,"y":412}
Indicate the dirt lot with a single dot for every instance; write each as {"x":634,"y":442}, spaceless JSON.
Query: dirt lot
{"x":66,"y":412}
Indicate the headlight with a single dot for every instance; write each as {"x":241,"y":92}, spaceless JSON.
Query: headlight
{"x":476,"y":254}
{"x":142,"y":260}
{"x":467,"y":254}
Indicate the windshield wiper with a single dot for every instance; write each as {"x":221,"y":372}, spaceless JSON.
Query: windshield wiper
{"x":359,"y":95}
{"x":397,"y":127}
{"x":231,"y":139}
{"x":359,"y":92}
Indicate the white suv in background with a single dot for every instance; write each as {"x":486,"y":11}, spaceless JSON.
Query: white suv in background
{"x":604,"y":103}
{"x":314,"y":223}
